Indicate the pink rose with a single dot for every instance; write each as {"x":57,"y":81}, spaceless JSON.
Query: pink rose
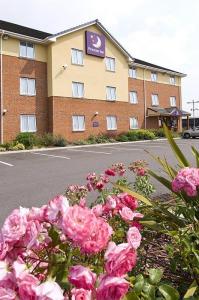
{"x":49,"y":290}
{"x":19,"y":269}
{"x":134,"y":237}
{"x":27,"y":286}
{"x":81,"y":294}
{"x":126,"y":213}
{"x":4,"y":271}
{"x":7,"y":294}
{"x":14,"y":226}
{"x":56,"y":206}
{"x":110,"y":172}
{"x":112,"y":288}
{"x":97,"y":210}
{"x":128,"y":201}
{"x":82,"y":277}
{"x":120,"y":259}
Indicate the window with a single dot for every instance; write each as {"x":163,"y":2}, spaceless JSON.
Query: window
{"x":154,"y":76}
{"x":78,"y":123}
{"x":172,"y":80}
{"x":132,"y":73}
{"x":155,"y":100}
{"x":27,"y":87}
{"x":27,"y":50}
{"x":28,"y":123}
{"x":77,"y":89}
{"x":172,"y":101}
{"x":110,"y":93}
{"x":77,"y":56}
{"x":110,"y":64}
{"x":111,"y":123}
{"x":133,"y":123}
{"x":133,"y":97}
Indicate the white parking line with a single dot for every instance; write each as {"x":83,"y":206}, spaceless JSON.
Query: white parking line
{"x":77,"y":150}
{"x":120,"y":148}
{"x":56,"y":156}
{"x":5,"y":163}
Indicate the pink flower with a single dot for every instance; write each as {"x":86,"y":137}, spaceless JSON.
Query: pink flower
{"x":20,"y":269}
{"x":120,"y":259}
{"x":187,"y":180}
{"x":134,"y":237}
{"x":111,"y":202}
{"x":87,"y":231}
{"x":27,"y":286}
{"x":128,"y":200}
{"x":97,"y":210}
{"x":56,"y":206}
{"x":14,"y":226}
{"x":126,"y":213}
{"x":3,"y":269}
{"x":81,"y":294}
{"x":110,"y":172}
{"x":7,"y":294}
{"x":112,"y":288}
{"x":49,"y":290}
{"x":82,"y":277}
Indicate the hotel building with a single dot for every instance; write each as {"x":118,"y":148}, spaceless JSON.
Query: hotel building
{"x":80,"y":82}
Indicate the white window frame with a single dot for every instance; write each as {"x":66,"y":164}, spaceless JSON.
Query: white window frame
{"x":133,"y":97}
{"x":154,"y":76}
{"x":26,"y":55}
{"x":28,"y":123}
{"x":132,"y":123}
{"x":156,"y":102}
{"x":133,"y":73}
{"x":173,"y":101}
{"x":76,"y":120}
{"x":27,"y":83}
{"x":110,"y":63}
{"x":77,"y":87}
{"x":111,"y":93}
{"x":111,"y":120}
{"x":77,"y":57}
{"x":172,"y":80}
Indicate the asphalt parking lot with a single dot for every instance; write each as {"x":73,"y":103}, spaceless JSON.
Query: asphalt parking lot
{"x":32,"y":178}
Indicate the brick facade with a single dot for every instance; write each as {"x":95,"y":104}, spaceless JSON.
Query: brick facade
{"x":14,"y":103}
{"x":54,"y":114}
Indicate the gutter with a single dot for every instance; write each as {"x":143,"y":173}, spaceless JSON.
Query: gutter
{"x":1,"y":87}
{"x":145,"y":104}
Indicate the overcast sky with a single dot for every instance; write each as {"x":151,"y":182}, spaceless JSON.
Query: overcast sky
{"x":161,"y":32}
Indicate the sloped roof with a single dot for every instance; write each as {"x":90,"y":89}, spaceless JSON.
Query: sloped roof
{"x":170,"y":111}
{"x":4,"y":25}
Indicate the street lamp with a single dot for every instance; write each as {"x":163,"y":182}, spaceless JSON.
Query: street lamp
{"x":193,"y":102}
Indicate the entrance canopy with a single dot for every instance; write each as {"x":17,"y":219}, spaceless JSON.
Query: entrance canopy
{"x":166,"y":112}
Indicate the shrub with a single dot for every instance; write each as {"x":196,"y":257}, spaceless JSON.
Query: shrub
{"x":59,"y":141}
{"x":18,"y":146}
{"x":122,"y":138}
{"x":159,"y":133}
{"x":2,"y":149}
{"x":80,"y":142}
{"x":28,"y":139}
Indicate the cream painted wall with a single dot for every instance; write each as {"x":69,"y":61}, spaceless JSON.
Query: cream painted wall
{"x":11,"y":47}
{"x":93,"y":73}
{"x":162,"y":77}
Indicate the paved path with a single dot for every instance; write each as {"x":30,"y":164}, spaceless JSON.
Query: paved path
{"x":32,"y":178}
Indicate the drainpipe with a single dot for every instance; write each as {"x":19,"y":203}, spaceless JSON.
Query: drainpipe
{"x":1,"y":85}
{"x":145,"y":104}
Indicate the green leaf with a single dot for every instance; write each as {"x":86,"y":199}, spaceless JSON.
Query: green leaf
{"x":162,"y":180}
{"x":149,"y":291}
{"x":131,"y":296}
{"x":148,"y":222}
{"x":155,"y":275}
{"x":178,"y":153}
{"x":138,"y":286}
{"x":134,"y":194}
{"x":191,"y":290}
{"x":169,"y":292}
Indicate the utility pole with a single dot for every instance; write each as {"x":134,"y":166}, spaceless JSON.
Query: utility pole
{"x":193,"y":102}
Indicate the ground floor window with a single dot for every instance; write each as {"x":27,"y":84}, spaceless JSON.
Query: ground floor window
{"x":111,"y":122}
{"x":133,"y":123}
{"x":28,"y":123}
{"x":78,"y":123}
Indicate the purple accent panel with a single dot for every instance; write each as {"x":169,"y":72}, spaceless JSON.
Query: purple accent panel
{"x":95,"y":44}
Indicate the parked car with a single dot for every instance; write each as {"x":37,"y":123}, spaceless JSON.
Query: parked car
{"x":187,"y":134}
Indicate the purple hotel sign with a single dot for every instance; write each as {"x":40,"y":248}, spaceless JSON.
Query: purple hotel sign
{"x":95,"y":44}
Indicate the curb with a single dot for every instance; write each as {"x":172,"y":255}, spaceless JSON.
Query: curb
{"x":83,"y":146}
